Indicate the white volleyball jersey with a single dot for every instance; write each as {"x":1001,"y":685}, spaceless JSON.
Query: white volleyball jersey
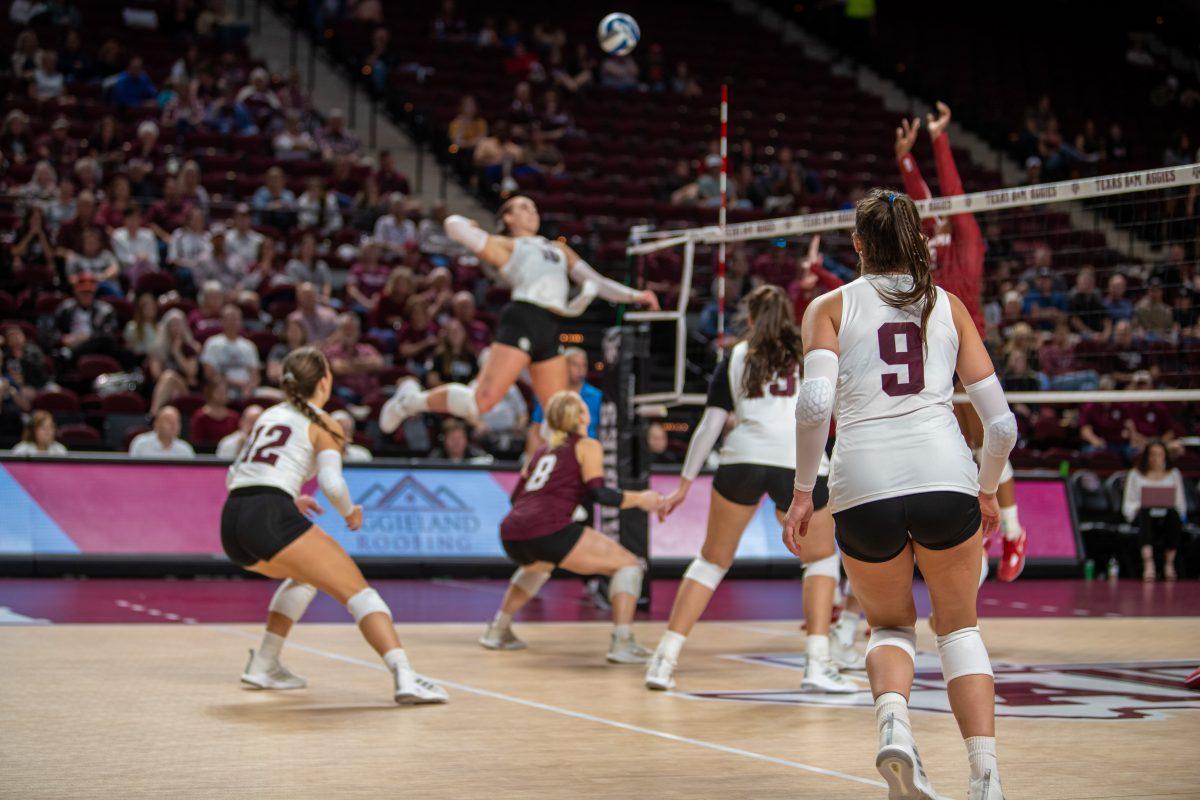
{"x":277,"y":453}
{"x":537,"y":273}
{"x":764,"y":427}
{"x":896,"y":431}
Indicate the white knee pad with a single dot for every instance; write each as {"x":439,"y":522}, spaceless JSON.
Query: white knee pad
{"x":705,"y":573}
{"x":367,"y":602}
{"x":963,"y":653}
{"x":904,"y":638}
{"x":1006,"y":474}
{"x":460,"y":400}
{"x":292,"y":598}
{"x":626,"y":580}
{"x":529,"y":581}
{"x":828,"y":567}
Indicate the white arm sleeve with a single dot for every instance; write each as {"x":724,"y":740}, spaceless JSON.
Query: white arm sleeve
{"x":580,"y":302}
{"x":814,"y":408}
{"x":606,"y":288}
{"x":708,"y":430}
{"x":466,"y":233}
{"x":329,"y":478}
{"x":999,"y":430}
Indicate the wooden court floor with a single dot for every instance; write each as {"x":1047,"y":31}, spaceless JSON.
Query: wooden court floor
{"x":139,"y":711}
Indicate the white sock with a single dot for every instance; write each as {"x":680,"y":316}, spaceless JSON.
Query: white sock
{"x":816,"y":647}
{"x":502,"y":620}
{"x":1010,"y":525}
{"x":623,"y":631}
{"x":670,"y":645}
{"x":891,"y":704}
{"x":981,"y":751}
{"x":269,"y":649}
{"x":396,"y":659}
{"x":845,"y":630}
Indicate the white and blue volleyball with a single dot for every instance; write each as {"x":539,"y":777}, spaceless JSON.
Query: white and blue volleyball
{"x":618,"y":34}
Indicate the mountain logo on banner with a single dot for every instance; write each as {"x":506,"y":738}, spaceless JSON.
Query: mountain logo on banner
{"x":410,"y":495}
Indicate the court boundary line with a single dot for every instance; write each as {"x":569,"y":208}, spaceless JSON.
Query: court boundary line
{"x":581,"y":715}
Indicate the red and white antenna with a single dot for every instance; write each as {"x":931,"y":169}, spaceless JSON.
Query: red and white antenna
{"x":721,"y":216}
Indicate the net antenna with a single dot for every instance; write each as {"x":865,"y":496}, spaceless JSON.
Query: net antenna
{"x":645,"y":239}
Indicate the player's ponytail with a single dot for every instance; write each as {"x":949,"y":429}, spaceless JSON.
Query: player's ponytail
{"x":303,"y":369}
{"x":773,"y":347}
{"x":889,"y":227}
{"x":564,"y":410}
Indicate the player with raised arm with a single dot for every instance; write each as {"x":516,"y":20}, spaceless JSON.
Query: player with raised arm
{"x":756,"y":384}
{"x":542,"y":532}
{"x":883,"y":352}
{"x":956,"y":249}
{"x":540,"y":274}
{"x":264,"y":529}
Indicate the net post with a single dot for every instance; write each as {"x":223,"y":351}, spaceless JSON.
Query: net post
{"x":721,"y":215}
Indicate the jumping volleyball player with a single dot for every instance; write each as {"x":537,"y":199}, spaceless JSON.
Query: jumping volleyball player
{"x":264,"y":530}
{"x":956,"y":249}
{"x":540,"y":272}
{"x":542,"y":532}
{"x":903,"y":485}
{"x":757,"y":384}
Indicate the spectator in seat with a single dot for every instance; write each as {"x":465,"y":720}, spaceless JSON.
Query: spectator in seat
{"x":163,"y":441}
{"x":1150,"y":421}
{"x":218,"y":264}
{"x":267,"y":275}
{"x":463,"y":310}
{"x":467,"y":128}
{"x":1170,"y":271}
{"x":293,"y":337}
{"x":308,"y":268}
{"x":86,"y":325}
{"x":335,"y":139}
{"x":454,"y":360}
{"x":682,"y":81}
{"x":1060,"y":365}
{"x":1152,"y":315}
{"x":142,"y":182}
{"x":293,"y":142}
{"x":205,"y":319}
{"x":228,"y":356}
{"x":317,"y":208}
{"x":185,"y":111}
{"x":659,"y":445}
{"x":133,"y":87}
{"x":23,"y":371}
{"x":241,"y":240}
{"x":1127,"y":354}
{"x":229,"y":117}
{"x":98,"y":261}
{"x":173,"y":366}
{"x":258,"y":98}
{"x":16,"y":140}
{"x":74,"y":61}
{"x":355,"y":363}
{"x":1102,"y":429}
{"x":1155,"y":502}
{"x":1086,"y":311}
{"x":39,"y":437}
{"x":456,"y":446}
{"x":367,"y":277}
{"x":190,"y":244}
{"x":353,"y":453}
{"x":318,"y":320}
{"x":418,"y":334}
{"x":394,"y":231}
{"x":1117,"y":305}
{"x":368,"y":205}
{"x":58,"y":146}
{"x":543,"y":154}
{"x":141,"y":332}
{"x":274,"y":204}
{"x":169,"y":213}
{"x":70,"y":233}
{"x":190,"y":188}
{"x":214,"y":420}
{"x":117,"y":201}
{"x":31,"y":248}
{"x":61,"y":209}
{"x":619,"y":72}
{"x":231,"y":444}
{"x":498,"y":152}
{"x":388,"y":175}
{"x":135,"y":247}
{"x":1044,"y":305}
{"x":146,"y":146}
{"x":42,"y":187}
{"x":387,"y":311}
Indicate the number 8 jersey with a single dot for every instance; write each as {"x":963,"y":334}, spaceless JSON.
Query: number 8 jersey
{"x":277,"y":453}
{"x":896,"y":431}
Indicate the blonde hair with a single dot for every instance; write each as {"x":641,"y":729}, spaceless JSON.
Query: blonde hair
{"x":563,"y":414}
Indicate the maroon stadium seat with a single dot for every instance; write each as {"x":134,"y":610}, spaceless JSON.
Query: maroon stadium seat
{"x":62,"y":401}
{"x":79,"y":436}
{"x":122,"y":403}
{"x":92,"y":366}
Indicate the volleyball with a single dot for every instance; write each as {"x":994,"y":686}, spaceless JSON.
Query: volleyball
{"x":618,"y":34}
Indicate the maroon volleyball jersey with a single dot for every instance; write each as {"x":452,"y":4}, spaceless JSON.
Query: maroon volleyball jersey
{"x":546,"y":497}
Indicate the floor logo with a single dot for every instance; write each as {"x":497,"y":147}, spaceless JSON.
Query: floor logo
{"x":411,"y":496}
{"x":1119,"y":690}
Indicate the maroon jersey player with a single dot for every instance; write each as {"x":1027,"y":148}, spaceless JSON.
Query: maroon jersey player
{"x":542,"y":531}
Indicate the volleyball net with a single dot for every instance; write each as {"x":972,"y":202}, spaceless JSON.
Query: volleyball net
{"x":1134,"y":237}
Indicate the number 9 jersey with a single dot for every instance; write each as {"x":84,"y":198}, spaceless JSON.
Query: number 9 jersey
{"x":896,"y":432}
{"x":277,"y":453}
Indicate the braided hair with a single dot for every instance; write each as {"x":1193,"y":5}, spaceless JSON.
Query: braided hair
{"x":303,"y":369}
{"x":889,"y":226}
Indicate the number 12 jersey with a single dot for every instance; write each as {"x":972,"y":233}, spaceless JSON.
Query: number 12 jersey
{"x":896,"y":433}
{"x":277,"y":453}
